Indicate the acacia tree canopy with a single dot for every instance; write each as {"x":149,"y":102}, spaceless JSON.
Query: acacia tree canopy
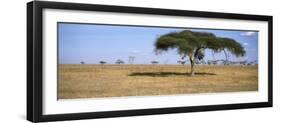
{"x":192,"y":44}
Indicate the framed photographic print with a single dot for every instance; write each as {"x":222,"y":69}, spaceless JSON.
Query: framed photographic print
{"x":95,"y":61}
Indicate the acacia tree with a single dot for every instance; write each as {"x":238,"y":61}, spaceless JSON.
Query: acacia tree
{"x":102,"y":62}
{"x":154,"y":62}
{"x":119,"y":61}
{"x":131,"y":59}
{"x":193,"y":44}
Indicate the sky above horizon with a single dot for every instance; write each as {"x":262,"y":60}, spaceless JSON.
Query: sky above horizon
{"x":94,"y":43}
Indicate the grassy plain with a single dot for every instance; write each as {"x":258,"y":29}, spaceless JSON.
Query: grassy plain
{"x":96,"y":81}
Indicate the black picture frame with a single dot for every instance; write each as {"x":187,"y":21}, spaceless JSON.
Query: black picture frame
{"x":35,"y":69}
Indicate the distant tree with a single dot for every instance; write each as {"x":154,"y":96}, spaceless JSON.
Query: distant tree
{"x":154,"y":62}
{"x":102,"y":62}
{"x":119,"y":61}
{"x":191,"y":44}
{"x":182,"y":62}
{"x":131,"y":59}
{"x":243,"y":62}
{"x":82,"y":62}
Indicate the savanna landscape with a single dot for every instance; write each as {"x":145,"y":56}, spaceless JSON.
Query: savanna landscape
{"x":101,"y":61}
{"x":94,"y":81}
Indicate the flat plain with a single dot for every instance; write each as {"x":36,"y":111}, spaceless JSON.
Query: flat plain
{"x":99,"y":81}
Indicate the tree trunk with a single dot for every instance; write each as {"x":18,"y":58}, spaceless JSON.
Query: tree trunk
{"x":225,"y":54}
{"x":192,"y":57}
{"x":192,"y":72}
{"x":192,"y":62}
{"x":226,"y":57}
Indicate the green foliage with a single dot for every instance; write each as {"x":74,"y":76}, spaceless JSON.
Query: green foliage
{"x":189,"y":42}
{"x":193,"y":44}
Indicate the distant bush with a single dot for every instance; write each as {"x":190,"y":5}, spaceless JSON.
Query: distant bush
{"x":102,"y":62}
{"x":154,"y":62}
{"x":119,"y":61}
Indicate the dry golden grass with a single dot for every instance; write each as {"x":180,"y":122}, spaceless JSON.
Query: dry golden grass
{"x":92,"y":81}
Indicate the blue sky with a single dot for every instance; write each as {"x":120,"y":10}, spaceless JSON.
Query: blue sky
{"x":93,"y":43}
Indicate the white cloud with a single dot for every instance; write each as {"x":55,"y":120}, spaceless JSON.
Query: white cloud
{"x":245,"y":44}
{"x":135,"y":51}
{"x":248,"y":33}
